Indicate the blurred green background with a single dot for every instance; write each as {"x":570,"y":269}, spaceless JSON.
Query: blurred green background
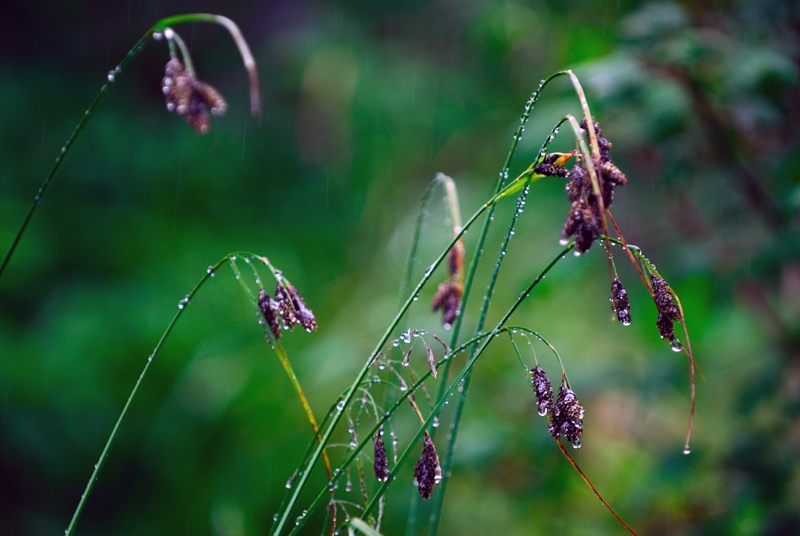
{"x":363,"y":104}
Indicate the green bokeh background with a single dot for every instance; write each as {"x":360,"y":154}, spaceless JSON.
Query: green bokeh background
{"x":363,"y":104}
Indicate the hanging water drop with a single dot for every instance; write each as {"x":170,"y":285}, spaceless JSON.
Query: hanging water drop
{"x":576,"y":444}
{"x":676,"y":345}
{"x":340,"y":405}
{"x":687,"y":449}
{"x":111,"y":76}
{"x":158,"y":36}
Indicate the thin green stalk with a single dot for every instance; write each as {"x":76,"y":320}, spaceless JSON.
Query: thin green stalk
{"x":450,"y":453}
{"x":350,"y":393}
{"x":104,"y":454}
{"x":65,"y":149}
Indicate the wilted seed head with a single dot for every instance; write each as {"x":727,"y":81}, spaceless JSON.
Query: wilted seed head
{"x":187,"y":96}
{"x":620,"y":303}
{"x":662,"y":295}
{"x":567,"y":416}
{"x":267,"y":306}
{"x":543,"y":390}
{"x":303,"y":314}
{"x":427,"y":472}
{"x":381,"y":463}
{"x":448,"y":299}
{"x":550,"y":167}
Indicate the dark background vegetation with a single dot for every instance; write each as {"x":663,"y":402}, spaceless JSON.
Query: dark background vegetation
{"x":363,"y":103}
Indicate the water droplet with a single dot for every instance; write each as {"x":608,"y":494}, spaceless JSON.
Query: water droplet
{"x":158,"y":36}
{"x":275,"y":517}
{"x":150,"y":357}
{"x":210,"y":271}
{"x":435,"y":422}
{"x":543,"y":411}
{"x":169,"y":33}
{"x":687,"y":449}
{"x":576,"y":444}
{"x":676,"y":345}
{"x":563,"y":241}
{"x":626,"y":322}
{"x":111,"y":76}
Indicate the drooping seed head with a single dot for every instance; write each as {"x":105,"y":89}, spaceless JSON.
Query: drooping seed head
{"x":427,"y":472}
{"x":381,"y":465}
{"x":567,"y":416}
{"x":448,"y":299}
{"x":267,"y":306}
{"x":620,"y":303}
{"x":542,"y":389}
{"x":662,"y":294}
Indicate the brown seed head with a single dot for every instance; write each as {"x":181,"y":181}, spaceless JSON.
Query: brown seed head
{"x":620,"y":303}
{"x":543,"y":390}
{"x":448,"y":299}
{"x":267,"y":306}
{"x":662,"y":294}
{"x":189,"y":97}
{"x":427,"y":472}
{"x":303,"y":314}
{"x":567,"y":416}
{"x":381,"y":465}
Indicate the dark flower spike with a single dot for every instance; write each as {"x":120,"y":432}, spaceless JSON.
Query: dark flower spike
{"x":267,"y":306}
{"x":620,"y":303}
{"x":427,"y":472}
{"x":381,"y":465}
{"x":576,"y":183}
{"x":285,"y":307}
{"x":303,"y":314}
{"x":662,"y":295}
{"x":543,"y":390}
{"x":448,"y":299}
{"x":189,"y":97}
{"x":567,"y":416}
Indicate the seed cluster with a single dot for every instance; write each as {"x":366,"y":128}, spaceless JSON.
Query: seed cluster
{"x":566,"y":415}
{"x":427,"y":472}
{"x":620,"y":303}
{"x":668,"y":312}
{"x":381,"y":464}
{"x":190,"y":97}
{"x":288,"y":306}
{"x":448,"y":295}
{"x":542,"y":389}
{"x":585,"y":218}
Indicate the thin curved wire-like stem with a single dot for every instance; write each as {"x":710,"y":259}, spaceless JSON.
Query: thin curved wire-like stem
{"x":104,"y":454}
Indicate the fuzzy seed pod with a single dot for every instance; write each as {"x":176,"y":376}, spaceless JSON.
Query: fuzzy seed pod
{"x":427,"y":472}
{"x":448,"y":299}
{"x":381,"y":465}
{"x":303,"y":314}
{"x":575,"y":184}
{"x":567,"y":416}
{"x":620,"y":303}
{"x":267,"y":306}
{"x":191,"y":98}
{"x":662,"y":294}
{"x":285,"y":307}
{"x":543,"y":390}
